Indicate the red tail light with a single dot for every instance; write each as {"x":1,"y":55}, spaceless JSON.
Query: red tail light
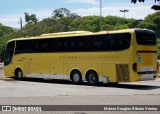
{"x":134,"y":67}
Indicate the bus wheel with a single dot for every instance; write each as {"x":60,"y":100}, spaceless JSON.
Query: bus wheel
{"x":76,"y":77}
{"x":19,"y":74}
{"x":92,"y":78}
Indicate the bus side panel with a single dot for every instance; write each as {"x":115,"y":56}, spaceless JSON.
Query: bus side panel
{"x":8,"y":70}
{"x":91,"y":66}
{"x":56,"y":69}
{"x":83,"y":68}
{"x":17,"y":62}
{"x":43,"y":69}
{"x":109,"y":71}
{"x":24,"y":62}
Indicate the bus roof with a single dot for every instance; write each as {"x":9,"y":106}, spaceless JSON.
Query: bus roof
{"x":66,"y":33}
{"x":73,"y":33}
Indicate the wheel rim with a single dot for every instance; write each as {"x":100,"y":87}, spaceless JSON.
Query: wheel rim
{"x":92,"y":78}
{"x":19,"y":74}
{"x":76,"y":77}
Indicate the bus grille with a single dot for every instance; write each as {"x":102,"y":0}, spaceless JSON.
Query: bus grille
{"x":122,"y":72}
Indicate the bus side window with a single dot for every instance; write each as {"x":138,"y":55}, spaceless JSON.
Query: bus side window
{"x":33,"y":46}
{"x":81,"y":44}
{"x":96,"y":43}
{"x":58,"y":45}
{"x":109,"y":42}
{"x":120,"y":43}
{"x":117,"y":42}
{"x":66,"y":46}
{"x":20,"y":47}
{"x":45,"y":45}
{"x":123,"y":41}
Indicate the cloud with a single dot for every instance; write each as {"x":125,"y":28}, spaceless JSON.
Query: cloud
{"x":13,"y":20}
{"x":82,"y":1}
{"x":40,"y":13}
{"x":135,"y":11}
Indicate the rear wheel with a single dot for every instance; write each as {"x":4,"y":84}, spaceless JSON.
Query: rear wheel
{"x":76,"y":77}
{"x":19,"y":74}
{"x":92,"y":78}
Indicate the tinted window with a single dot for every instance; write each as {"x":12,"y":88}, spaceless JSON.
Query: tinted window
{"x":71,"y":44}
{"x":145,"y":37}
{"x":82,"y":43}
{"x":112,"y":42}
{"x":96,"y":43}
{"x":33,"y":46}
{"x":9,"y":52}
{"x":11,"y":45}
{"x":109,"y":42}
{"x":118,"y":41}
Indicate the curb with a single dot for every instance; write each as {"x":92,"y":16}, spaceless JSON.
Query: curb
{"x":6,"y":78}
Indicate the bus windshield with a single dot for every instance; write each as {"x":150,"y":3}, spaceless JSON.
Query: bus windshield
{"x":145,"y":37}
{"x":9,"y":53}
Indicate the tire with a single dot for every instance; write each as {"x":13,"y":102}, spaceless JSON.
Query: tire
{"x":92,"y":78}
{"x":19,"y":74}
{"x":76,"y":77}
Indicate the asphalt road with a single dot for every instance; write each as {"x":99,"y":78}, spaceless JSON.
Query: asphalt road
{"x":40,"y":88}
{"x":60,"y":92}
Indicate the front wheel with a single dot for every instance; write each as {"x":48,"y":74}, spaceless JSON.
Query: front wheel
{"x":92,"y":78}
{"x":19,"y":74}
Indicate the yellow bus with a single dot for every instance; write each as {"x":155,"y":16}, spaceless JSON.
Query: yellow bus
{"x":109,"y":56}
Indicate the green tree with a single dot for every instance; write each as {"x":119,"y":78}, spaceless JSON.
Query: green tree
{"x":6,"y":37}
{"x":66,"y":21}
{"x":31,"y":29}
{"x":91,"y":23}
{"x":88,"y":23}
{"x":107,"y":27}
{"x":53,"y":25}
{"x":30,"y":18}
{"x":152,"y":22}
{"x":154,"y":7}
{"x":64,"y":17}
{"x":134,"y":1}
{"x":61,"y":12}
{"x":5,"y":30}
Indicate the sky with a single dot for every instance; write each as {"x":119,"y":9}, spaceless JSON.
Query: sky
{"x":12,"y":10}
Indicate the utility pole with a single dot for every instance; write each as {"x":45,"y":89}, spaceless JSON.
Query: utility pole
{"x":124,"y":11}
{"x":100,"y":23}
{"x":21,"y":25}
